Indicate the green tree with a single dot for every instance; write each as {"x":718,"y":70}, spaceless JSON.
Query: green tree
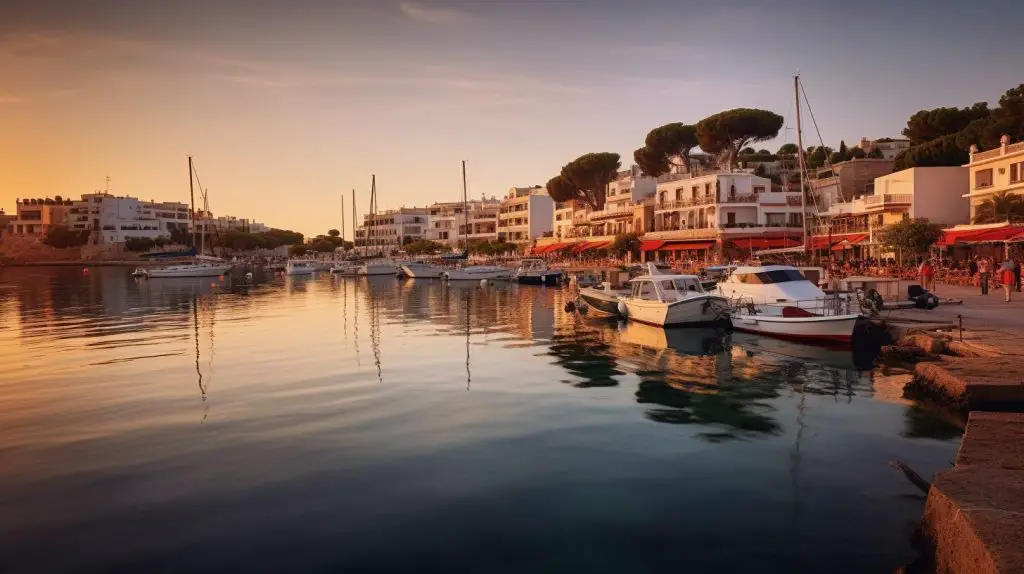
{"x":943,"y":151}
{"x":911,"y":237}
{"x":760,"y":171}
{"x":729,"y":131}
{"x":748,"y":151}
{"x":298,"y":250}
{"x":62,"y":237}
{"x":333,"y":233}
{"x":663,"y":146}
{"x":875,"y":153}
{"x":626,"y":243}
{"x":857,"y":153}
{"x":816,"y":158}
{"x":585,"y":178}
{"x":1007,"y":119}
{"x":787,"y":149}
{"x":1000,"y":206}
{"x":927,"y":125}
{"x":844,"y":154}
{"x":137,"y":244}
{"x":836,"y":157}
{"x":424,"y":247}
{"x":284,"y":237}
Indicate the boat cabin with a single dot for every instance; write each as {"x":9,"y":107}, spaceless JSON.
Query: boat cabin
{"x":666,"y":288}
{"x":770,"y":284}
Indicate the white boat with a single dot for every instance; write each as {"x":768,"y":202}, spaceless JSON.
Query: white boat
{"x":197,"y":269}
{"x":536,"y":272}
{"x":423,"y":270}
{"x":378,"y":267}
{"x":477,"y":273}
{"x":778,"y":300}
{"x":300,"y":267}
{"x":672,"y":300}
{"x":603,"y":300}
{"x":347,"y":268}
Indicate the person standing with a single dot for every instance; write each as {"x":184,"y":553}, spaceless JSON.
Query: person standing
{"x":926,"y":274}
{"x":972,"y":268}
{"x":984,"y":272}
{"x":1006,"y":277}
{"x":1016,"y":272}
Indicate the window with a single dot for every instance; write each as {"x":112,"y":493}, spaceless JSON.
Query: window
{"x":1016,"y":172}
{"x":769,"y":277}
{"x":758,"y":189}
{"x":983,"y":178}
{"x":730,"y":218}
{"x":642,"y":289}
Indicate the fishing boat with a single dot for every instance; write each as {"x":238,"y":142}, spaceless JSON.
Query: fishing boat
{"x":777,"y":300}
{"x":672,"y":300}
{"x":604,"y":300}
{"x":536,"y":272}
{"x":346,"y":268}
{"x":300,"y":267}
{"x":201,"y":265}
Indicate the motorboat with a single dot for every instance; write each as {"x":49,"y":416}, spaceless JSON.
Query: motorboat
{"x":536,"y":272}
{"x":347,"y":268}
{"x":300,"y":267}
{"x":778,"y":300}
{"x":603,"y":300}
{"x":477,"y":273}
{"x":672,"y":300}
{"x":422,"y":270}
{"x":378,"y":267}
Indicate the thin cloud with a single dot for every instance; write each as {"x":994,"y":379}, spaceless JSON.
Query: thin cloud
{"x":438,"y":15}
{"x":10,"y":100}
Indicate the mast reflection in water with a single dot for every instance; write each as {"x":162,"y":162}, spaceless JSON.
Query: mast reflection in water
{"x":492,"y":431}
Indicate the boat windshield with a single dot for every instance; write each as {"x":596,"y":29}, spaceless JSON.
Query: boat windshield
{"x":680,"y":285}
{"x":769,"y":277}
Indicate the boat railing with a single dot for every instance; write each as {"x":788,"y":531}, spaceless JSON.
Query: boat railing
{"x":831,"y":305}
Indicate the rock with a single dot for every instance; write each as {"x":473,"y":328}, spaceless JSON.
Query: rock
{"x":927,"y":342}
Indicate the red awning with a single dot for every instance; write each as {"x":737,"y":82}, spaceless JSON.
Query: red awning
{"x":765,"y":242}
{"x":582,"y":246}
{"x":538,"y":249}
{"x":595,"y":245}
{"x":651,"y":245}
{"x":822,"y":242}
{"x":993,"y":235}
{"x":692,"y":245}
{"x":949,"y":236}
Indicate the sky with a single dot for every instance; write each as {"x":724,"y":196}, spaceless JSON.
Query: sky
{"x":288,"y":106}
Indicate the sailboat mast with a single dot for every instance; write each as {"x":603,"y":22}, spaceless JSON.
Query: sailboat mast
{"x":465,"y":212}
{"x":192,"y":202}
{"x":342,"y":218}
{"x":355,"y":234}
{"x":800,"y":160}
{"x":373,"y":204}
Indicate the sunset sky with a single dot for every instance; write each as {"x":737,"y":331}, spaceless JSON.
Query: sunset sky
{"x":286,"y":105}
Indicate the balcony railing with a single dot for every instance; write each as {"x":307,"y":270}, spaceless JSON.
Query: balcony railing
{"x":626,"y":211}
{"x":886,"y":199}
{"x":750,"y":198}
{"x":679,"y":203}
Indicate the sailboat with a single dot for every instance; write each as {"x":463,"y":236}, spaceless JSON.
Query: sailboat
{"x":381,"y":266}
{"x":472,"y":272}
{"x":202,"y":265}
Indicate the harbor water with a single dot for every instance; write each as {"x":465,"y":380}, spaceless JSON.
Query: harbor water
{"x":384,"y":425}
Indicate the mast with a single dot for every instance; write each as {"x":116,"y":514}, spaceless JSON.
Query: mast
{"x":354,"y":228}
{"x":192,"y":201}
{"x":465,"y":212}
{"x":373,"y":204}
{"x":800,"y":160}
{"x":343,"y":219}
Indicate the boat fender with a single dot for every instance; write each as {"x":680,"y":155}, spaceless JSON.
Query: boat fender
{"x":483,"y":283}
{"x":623,"y":310}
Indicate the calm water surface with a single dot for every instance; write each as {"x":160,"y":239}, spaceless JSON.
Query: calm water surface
{"x":389,"y":426}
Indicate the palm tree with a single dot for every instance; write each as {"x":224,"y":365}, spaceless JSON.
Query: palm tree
{"x":1001,"y":206}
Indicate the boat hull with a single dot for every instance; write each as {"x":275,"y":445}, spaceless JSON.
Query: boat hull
{"x":378,"y":269}
{"x":423,"y":271}
{"x":182,"y":272}
{"x":550,"y":278}
{"x":834,"y":329}
{"x":702,"y":310}
{"x":477,"y":274}
{"x":601,"y":301}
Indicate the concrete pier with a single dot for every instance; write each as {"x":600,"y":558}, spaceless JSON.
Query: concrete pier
{"x":975,"y":511}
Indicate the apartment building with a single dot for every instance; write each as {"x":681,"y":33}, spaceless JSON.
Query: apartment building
{"x":994,"y":171}
{"x":934,"y":193}
{"x":723,"y":212}
{"x":35,"y":217}
{"x":447,"y":221}
{"x":629,"y":207}
{"x":389,"y":230}
{"x":889,"y":147}
{"x":525,"y":214}
{"x":846,"y":181}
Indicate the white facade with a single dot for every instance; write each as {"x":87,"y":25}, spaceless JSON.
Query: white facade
{"x":446,"y":223}
{"x":113,"y":219}
{"x":725,"y":203}
{"x":389,"y":230}
{"x":526,"y":213}
{"x":630,"y":190}
{"x":890,"y":148}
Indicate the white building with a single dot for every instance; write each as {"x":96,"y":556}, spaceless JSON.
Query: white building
{"x":447,"y":221}
{"x":933,"y":193}
{"x":526,"y":213}
{"x":624,"y":209}
{"x":889,"y":147}
{"x":389,"y":230}
{"x":113,"y":219}
{"x":727,"y":211}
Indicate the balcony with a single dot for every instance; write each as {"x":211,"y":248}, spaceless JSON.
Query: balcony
{"x":750,"y":198}
{"x":680,"y":203}
{"x":878,"y":201}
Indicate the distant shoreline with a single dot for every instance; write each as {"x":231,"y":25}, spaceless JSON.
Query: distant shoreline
{"x":82,"y":263}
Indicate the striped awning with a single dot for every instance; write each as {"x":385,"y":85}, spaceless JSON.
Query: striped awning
{"x":651,"y":245}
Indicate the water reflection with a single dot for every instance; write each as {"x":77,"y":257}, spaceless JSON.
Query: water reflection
{"x":583,"y":425}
